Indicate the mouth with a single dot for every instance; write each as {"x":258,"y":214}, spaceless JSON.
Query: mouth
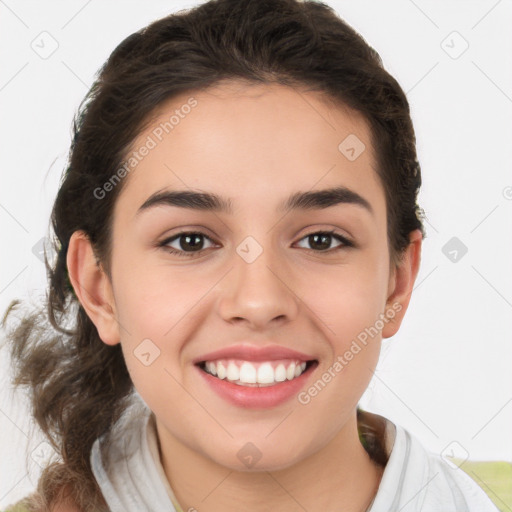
{"x":256,"y":385}
{"x":256,"y":374}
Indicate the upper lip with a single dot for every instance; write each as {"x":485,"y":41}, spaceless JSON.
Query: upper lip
{"x":254,"y":353}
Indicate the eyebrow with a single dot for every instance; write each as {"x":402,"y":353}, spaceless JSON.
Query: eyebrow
{"x":310,"y":200}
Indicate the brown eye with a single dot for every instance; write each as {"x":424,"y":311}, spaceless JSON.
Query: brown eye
{"x":187,"y":243}
{"x":321,"y":241}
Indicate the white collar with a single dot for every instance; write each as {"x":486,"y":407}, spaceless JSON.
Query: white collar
{"x":132,"y":479}
{"x":125,"y":469}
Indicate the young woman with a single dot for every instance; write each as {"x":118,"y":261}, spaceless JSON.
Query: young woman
{"x":236,"y":232}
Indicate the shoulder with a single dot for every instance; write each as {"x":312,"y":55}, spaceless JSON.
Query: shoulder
{"x":444,"y":484}
{"x":416,"y":478}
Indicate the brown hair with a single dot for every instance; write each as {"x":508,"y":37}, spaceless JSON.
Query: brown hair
{"x":79,"y":386}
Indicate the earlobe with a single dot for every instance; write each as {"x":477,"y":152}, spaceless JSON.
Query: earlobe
{"x":402,"y":283}
{"x":92,"y":287}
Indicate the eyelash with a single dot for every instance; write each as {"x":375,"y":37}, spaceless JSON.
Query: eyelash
{"x":345,"y":243}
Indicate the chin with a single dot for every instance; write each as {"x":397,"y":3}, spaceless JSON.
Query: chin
{"x":250,"y":459}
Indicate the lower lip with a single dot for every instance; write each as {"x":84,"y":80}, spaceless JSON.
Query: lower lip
{"x":252,"y":397}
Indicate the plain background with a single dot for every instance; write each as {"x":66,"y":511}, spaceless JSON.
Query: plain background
{"x":446,"y":375}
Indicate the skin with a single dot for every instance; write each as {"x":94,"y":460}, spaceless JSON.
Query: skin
{"x":256,"y":146}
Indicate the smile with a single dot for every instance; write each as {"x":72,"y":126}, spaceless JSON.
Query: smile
{"x":256,"y":385}
{"x":255,"y":374}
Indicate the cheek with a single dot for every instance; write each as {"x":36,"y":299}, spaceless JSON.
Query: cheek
{"x":151,"y":298}
{"x":345,"y":298}
{"x":347,"y":302}
{"x":159,"y":309}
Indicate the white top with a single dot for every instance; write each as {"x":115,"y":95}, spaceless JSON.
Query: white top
{"x":414,"y":479}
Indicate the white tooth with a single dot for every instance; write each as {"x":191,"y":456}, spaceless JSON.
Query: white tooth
{"x":221,"y":371}
{"x":248,"y":373}
{"x":303,"y":366}
{"x":298,"y":370}
{"x":210,"y":366}
{"x":233,"y":372}
{"x":280,"y":373}
{"x":265,"y":374}
{"x":290,"y":372}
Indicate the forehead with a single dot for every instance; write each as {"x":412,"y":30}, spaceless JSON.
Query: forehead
{"x":255,"y":144}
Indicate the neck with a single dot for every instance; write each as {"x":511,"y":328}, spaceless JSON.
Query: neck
{"x":340,"y":473}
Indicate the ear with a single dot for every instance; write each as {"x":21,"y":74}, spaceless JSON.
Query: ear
{"x":401,"y":283}
{"x":92,"y":287}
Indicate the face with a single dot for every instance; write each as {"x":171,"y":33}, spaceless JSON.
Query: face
{"x":255,"y":276}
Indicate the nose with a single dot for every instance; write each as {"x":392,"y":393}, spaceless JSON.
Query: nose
{"x":259,"y":291}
